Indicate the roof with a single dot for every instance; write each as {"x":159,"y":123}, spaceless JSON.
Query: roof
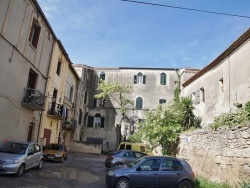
{"x":135,"y":68}
{"x":241,"y":40}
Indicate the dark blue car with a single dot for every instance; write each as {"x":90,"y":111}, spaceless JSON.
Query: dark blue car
{"x":152,"y":171}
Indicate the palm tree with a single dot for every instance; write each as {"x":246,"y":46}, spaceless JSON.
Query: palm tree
{"x":189,"y":119}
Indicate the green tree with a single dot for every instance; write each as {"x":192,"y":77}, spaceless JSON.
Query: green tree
{"x":188,"y":118}
{"x":161,"y":127}
{"x":119,"y":93}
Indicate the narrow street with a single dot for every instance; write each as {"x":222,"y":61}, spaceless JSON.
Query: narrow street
{"x":79,"y":170}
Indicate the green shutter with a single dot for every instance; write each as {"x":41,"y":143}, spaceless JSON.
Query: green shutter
{"x":90,"y":121}
{"x":102,"y":122}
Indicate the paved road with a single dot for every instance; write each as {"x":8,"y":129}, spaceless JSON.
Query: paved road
{"x":79,"y":170}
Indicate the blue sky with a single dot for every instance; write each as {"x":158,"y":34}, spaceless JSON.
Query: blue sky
{"x":114,"y":33}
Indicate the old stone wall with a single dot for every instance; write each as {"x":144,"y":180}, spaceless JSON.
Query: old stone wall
{"x":221,"y":156}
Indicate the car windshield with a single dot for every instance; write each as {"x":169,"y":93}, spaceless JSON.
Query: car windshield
{"x":55,"y":147}
{"x":135,"y":162}
{"x":12,"y":147}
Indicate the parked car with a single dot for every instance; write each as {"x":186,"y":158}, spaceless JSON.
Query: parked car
{"x":16,"y":157}
{"x":55,"y":152}
{"x":122,"y":157}
{"x":152,"y":171}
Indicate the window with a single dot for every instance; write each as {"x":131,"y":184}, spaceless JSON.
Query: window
{"x":85,"y":97}
{"x":58,"y":69}
{"x":80,"y":117}
{"x":34,"y":33}
{"x":197,"y":97}
{"x":162,"y":101}
{"x":163,"y":79}
{"x":202,"y":95}
{"x":71,"y":94}
{"x":96,"y":121}
{"x":102,"y":76}
{"x":221,"y":85}
{"x":171,"y":165}
{"x":139,"y":102}
{"x":139,"y":78}
{"x":151,"y":165}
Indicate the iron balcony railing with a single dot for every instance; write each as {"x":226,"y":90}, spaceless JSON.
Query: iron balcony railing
{"x":69,"y":123}
{"x":34,"y":99}
{"x":56,"y":110}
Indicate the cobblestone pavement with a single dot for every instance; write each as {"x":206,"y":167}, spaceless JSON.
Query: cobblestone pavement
{"x":79,"y":170}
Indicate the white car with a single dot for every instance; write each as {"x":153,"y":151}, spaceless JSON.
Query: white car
{"x":16,"y":157}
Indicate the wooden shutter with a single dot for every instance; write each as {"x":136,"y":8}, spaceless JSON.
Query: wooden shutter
{"x":135,"y":79}
{"x":102,"y":122}
{"x":94,"y":103}
{"x":144,"y":79}
{"x":90,"y":121}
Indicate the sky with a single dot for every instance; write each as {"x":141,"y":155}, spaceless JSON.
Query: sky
{"x":116,"y":33}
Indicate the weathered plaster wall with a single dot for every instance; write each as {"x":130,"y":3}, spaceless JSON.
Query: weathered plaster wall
{"x":222,"y":155}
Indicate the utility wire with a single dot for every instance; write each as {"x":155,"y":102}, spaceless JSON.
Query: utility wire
{"x":183,"y":8}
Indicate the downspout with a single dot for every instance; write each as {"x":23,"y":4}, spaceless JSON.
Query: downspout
{"x":46,"y":83}
{"x":229,"y":85}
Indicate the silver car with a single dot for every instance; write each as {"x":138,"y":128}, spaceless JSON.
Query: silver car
{"x":121,"y":157}
{"x":152,"y":171}
{"x":16,"y":157}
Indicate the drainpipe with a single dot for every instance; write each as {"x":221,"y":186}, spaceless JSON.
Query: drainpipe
{"x":46,"y":83}
{"x":229,"y":85}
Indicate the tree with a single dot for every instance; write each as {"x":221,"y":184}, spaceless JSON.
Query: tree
{"x":188,"y":118}
{"x":161,"y":127}
{"x":117,"y":92}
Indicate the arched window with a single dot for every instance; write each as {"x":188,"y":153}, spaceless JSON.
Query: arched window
{"x":139,"y":78}
{"x":163,"y":79}
{"x":139,"y":102}
{"x":97,"y":120}
{"x":102,"y":76}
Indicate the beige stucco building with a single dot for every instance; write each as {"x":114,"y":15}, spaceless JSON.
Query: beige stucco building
{"x":55,"y":110}
{"x":26,"y":43}
{"x":224,"y":84}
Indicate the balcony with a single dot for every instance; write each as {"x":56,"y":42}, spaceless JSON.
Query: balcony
{"x":56,"y":111}
{"x":34,"y":99}
{"x":69,"y":124}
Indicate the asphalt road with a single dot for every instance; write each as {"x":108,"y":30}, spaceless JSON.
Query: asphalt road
{"x":79,"y":170}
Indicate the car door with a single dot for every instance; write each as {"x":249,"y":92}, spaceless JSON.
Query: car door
{"x":37,"y":154}
{"x":146,"y":175}
{"x":171,"y":172}
{"x":30,"y":158}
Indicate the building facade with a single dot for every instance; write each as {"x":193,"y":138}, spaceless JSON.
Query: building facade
{"x":26,"y":43}
{"x":224,"y":84}
{"x":150,"y":87}
{"x":55,"y":111}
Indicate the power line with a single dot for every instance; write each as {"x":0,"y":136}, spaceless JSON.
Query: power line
{"x":183,"y":8}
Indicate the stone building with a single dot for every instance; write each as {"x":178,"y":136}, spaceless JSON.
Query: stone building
{"x":26,"y":43}
{"x":224,"y":84}
{"x":150,"y":87}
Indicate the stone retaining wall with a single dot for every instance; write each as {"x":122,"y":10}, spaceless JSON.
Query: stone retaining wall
{"x":221,"y":156}
{"x":84,"y":148}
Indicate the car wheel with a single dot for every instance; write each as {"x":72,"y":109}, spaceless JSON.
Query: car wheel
{"x":185,"y":184}
{"x":20,"y":170}
{"x":122,"y":183}
{"x":40,"y":165}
